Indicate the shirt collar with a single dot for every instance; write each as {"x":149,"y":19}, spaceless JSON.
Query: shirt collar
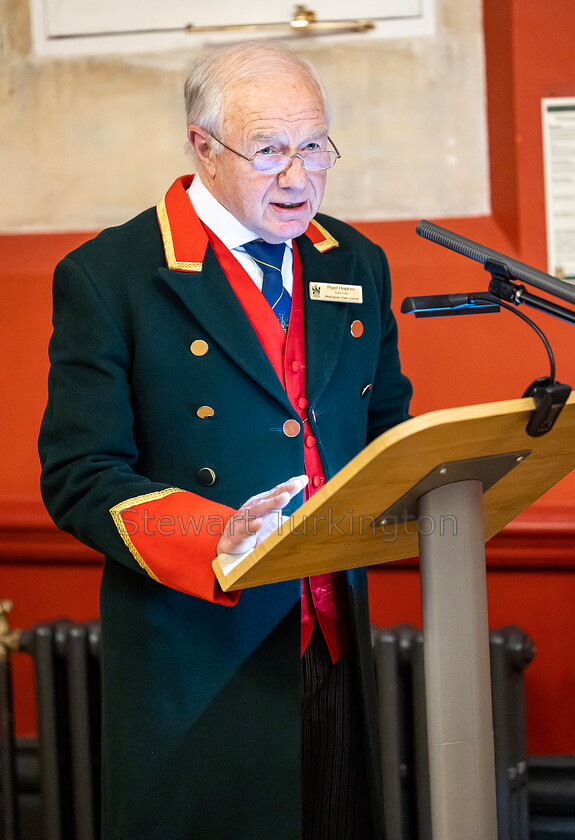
{"x":219,"y":220}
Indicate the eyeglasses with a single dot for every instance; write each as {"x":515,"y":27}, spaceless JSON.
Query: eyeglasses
{"x":273,"y":164}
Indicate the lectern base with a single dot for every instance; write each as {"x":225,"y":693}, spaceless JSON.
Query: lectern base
{"x":456,"y":652}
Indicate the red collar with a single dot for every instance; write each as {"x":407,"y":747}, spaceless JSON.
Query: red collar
{"x":185,"y":240}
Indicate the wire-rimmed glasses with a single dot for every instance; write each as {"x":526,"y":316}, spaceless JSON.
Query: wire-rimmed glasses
{"x":316,"y":160}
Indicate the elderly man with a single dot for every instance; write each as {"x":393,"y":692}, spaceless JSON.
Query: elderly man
{"x":193,"y":367}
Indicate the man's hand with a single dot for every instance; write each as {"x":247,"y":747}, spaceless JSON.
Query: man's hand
{"x":259,"y":517}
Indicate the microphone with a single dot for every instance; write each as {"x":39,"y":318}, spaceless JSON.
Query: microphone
{"x":464,"y":303}
{"x":482,"y":254}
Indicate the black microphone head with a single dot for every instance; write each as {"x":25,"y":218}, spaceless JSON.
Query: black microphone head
{"x":453,"y":241}
{"x":480,"y":253}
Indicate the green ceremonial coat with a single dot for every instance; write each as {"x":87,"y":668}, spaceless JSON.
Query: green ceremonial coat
{"x":201,"y":701}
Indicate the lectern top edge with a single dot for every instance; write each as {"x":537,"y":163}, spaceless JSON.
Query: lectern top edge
{"x":390,"y":466}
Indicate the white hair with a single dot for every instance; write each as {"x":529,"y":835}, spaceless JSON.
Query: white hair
{"x":213,"y":76}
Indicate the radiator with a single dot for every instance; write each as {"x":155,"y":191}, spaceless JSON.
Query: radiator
{"x":66,"y":659}
{"x":398,"y":659}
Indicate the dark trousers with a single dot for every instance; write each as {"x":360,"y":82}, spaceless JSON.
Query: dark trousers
{"x":335,"y":798}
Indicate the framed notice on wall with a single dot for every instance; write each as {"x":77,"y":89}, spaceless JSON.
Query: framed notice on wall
{"x":559,"y":167}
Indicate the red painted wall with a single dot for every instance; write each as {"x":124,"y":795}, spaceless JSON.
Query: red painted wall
{"x":455,"y":361}
{"x":531,"y":565}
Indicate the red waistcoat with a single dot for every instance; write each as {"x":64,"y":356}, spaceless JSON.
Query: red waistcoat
{"x":323,"y":596}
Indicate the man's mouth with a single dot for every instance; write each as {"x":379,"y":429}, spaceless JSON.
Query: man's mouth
{"x":289,"y":205}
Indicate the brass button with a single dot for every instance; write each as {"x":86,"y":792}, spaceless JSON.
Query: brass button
{"x":205,"y":411}
{"x":199,"y":347}
{"x":291,"y":428}
{"x":206,"y":476}
{"x":356,"y":329}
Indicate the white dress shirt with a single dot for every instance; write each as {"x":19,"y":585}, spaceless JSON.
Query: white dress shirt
{"x":233,"y":234}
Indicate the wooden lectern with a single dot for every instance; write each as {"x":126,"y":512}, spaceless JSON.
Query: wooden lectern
{"x":438,"y":485}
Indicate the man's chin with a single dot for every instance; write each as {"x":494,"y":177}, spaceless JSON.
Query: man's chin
{"x":288,"y":229}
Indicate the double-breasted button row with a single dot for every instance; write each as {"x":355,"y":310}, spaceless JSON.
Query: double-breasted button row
{"x":290,"y":428}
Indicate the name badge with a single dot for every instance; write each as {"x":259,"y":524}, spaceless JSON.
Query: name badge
{"x":339,"y":292}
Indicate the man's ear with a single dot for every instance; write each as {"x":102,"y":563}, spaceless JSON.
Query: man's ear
{"x":201,"y":144}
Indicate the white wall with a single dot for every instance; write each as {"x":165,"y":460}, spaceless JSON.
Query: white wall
{"x":90,"y":141}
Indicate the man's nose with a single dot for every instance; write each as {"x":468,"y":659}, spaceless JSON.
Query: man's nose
{"x":294,"y":175}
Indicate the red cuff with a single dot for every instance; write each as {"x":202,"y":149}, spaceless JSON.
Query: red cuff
{"x":173,"y":535}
